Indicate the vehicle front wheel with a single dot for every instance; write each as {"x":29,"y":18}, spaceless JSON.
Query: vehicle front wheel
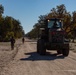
{"x":65,"y":52}
{"x":41,"y":49}
{"x":59,"y":51}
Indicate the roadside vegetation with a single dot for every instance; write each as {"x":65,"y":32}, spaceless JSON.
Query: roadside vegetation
{"x":60,"y":11}
{"x":9,"y":27}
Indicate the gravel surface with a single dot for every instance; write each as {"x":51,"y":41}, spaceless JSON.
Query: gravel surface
{"x":25,"y":61}
{"x":6,"y":54}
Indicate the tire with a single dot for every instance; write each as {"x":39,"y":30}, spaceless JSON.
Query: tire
{"x":41,"y":49}
{"x":38,"y":46}
{"x":59,"y":51}
{"x":65,"y":51}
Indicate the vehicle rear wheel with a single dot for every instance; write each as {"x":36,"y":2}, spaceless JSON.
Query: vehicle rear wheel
{"x":65,"y":51}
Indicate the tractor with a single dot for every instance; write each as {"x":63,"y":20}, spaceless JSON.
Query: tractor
{"x":53,"y":37}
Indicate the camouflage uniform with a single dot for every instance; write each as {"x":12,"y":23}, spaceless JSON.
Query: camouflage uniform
{"x":12,"y":43}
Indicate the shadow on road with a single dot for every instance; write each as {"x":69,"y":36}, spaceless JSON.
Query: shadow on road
{"x":34,"y":56}
{"x":30,"y":41}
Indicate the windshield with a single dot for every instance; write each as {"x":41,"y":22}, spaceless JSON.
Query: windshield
{"x":54,"y":24}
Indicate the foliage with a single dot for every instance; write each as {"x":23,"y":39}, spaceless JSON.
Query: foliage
{"x":9,"y":27}
{"x":69,"y":21}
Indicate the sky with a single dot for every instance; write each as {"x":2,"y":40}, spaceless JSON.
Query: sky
{"x":28,"y":11}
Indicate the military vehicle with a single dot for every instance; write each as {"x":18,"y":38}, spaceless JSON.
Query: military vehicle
{"x":53,"y":37}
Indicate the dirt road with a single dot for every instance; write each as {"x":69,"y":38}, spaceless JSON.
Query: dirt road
{"x":28,"y":62}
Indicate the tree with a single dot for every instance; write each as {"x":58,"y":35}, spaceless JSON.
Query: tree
{"x":74,"y":25}
{"x":9,"y":27}
{"x":69,"y":20}
{"x":1,"y":9}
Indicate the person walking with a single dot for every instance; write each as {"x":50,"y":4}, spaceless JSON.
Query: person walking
{"x":12,"y":42}
{"x":23,"y":40}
